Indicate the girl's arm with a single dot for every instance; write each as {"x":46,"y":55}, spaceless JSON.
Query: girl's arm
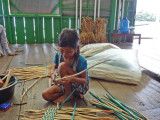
{"x":52,"y":70}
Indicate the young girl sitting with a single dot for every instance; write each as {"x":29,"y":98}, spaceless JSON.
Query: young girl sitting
{"x":68,"y":62}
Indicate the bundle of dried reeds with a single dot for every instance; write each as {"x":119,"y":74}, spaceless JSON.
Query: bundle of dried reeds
{"x":87,"y":35}
{"x":121,"y":110}
{"x":32,"y":72}
{"x":87,"y":24}
{"x":66,"y":114}
{"x":100,"y":30}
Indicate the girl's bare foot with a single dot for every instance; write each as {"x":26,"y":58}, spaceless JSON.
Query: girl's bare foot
{"x":62,"y":98}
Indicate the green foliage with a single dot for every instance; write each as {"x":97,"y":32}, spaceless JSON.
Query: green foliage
{"x":145,"y":16}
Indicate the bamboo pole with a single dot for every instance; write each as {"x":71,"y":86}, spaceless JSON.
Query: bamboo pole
{"x":81,"y":71}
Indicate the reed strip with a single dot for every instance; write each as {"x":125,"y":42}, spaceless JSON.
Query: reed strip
{"x":8,"y":78}
{"x":103,"y":105}
{"x":28,"y":89}
{"x":66,"y":113}
{"x":4,"y":77}
{"x":124,"y":107}
{"x":82,"y":71}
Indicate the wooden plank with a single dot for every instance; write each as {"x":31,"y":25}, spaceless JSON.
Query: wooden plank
{"x":14,"y":110}
{"x":39,"y":30}
{"x":1,"y":8}
{"x":33,"y":97}
{"x":4,"y":62}
{"x":1,"y":20}
{"x":13,"y":31}
{"x":57,"y":28}
{"x":72,"y":23}
{"x":65,"y":23}
{"x":49,"y":53}
{"x":149,"y":63}
{"x":141,"y":97}
{"x":48,"y":30}
{"x":20,"y":30}
{"x":30,"y":39}
{"x":22,"y":57}
{"x":96,"y":88}
{"x":152,"y":114}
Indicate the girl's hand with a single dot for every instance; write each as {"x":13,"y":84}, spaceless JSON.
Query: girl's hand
{"x":52,"y":76}
{"x":65,"y":81}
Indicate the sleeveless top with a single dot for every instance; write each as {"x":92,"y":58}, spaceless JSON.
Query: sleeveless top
{"x":78,"y":66}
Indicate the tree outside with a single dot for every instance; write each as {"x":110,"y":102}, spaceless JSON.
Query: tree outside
{"x":145,"y":16}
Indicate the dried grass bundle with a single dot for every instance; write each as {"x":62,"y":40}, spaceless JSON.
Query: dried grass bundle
{"x":32,"y":72}
{"x":87,"y":27}
{"x":87,"y":37}
{"x":87,"y":24}
{"x":100,"y":30}
{"x":101,"y":37}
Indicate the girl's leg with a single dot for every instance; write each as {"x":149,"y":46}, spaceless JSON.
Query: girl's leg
{"x":64,"y":70}
{"x":51,"y":93}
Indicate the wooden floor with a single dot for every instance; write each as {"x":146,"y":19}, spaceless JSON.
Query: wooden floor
{"x":144,"y":97}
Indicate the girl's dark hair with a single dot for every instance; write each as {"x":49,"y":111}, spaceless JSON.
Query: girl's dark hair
{"x":69,"y":38}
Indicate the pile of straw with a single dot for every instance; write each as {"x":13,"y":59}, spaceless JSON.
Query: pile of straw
{"x":87,"y":35}
{"x":66,"y":114}
{"x":88,"y":25}
{"x":32,"y":72}
{"x":100,"y":30}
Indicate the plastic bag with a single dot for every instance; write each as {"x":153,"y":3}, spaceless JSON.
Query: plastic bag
{"x":122,"y":67}
{"x":92,"y":49}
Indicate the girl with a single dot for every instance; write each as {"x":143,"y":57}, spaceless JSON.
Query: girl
{"x":68,"y":62}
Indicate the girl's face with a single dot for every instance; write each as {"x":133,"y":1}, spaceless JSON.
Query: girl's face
{"x":67,"y":52}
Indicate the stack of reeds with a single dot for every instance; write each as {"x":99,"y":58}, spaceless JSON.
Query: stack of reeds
{"x":100,"y":30}
{"x":32,"y":72}
{"x":67,"y":114}
{"x":87,"y":27}
{"x":121,"y":110}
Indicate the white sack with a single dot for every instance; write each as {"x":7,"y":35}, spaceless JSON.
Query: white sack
{"x":92,"y":49}
{"x":123,"y":67}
